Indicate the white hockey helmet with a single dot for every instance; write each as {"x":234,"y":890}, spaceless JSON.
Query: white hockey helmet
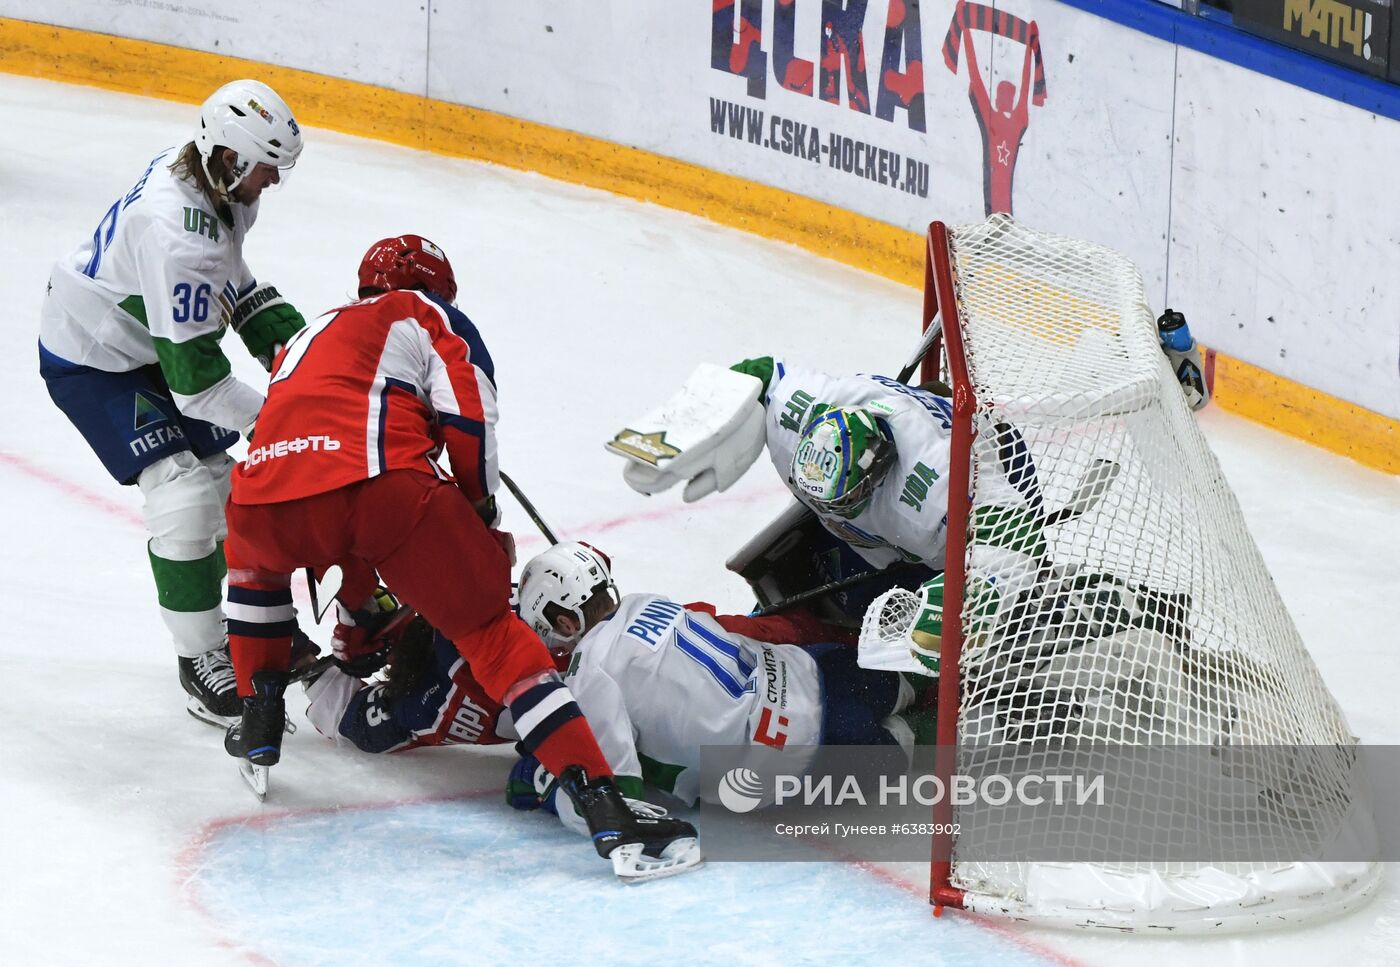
{"x":566,"y":575}
{"x":249,"y":117}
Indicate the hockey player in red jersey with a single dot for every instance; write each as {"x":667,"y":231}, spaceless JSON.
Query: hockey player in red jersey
{"x":342,"y":471}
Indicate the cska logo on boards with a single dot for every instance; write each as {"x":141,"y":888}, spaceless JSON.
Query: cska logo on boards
{"x":841,"y":74}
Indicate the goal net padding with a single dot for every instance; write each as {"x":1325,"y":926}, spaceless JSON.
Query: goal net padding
{"x":1153,"y":622}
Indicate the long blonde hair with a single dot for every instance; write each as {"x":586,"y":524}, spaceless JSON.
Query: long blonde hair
{"x":189,"y":166}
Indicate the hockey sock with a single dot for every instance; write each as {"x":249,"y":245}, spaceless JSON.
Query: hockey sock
{"x":190,"y":595}
{"x":260,"y":624}
{"x":552,"y":727}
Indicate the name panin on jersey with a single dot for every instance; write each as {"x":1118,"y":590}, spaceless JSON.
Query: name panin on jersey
{"x":157,"y":283}
{"x":906,"y":518}
{"x":382,"y":384}
{"x":657,"y":681}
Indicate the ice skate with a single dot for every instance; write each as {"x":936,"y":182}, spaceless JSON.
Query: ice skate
{"x":641,"y":840}
{"x":212,"y":687}
{"x":256,"y":739}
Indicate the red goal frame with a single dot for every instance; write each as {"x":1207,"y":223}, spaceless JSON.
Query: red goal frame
{"x":940,"y":295}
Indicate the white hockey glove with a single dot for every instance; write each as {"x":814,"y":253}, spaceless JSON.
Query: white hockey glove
{"x":708,"y":434}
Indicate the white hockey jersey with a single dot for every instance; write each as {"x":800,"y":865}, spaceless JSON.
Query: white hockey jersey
{"x":157,"y":282}
{"x":657,"y":682}
{"x":907,"y":516}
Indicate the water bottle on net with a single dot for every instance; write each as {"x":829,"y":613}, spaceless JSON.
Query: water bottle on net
{"x":1185,"y":357}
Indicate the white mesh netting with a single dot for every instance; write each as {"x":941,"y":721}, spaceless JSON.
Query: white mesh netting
{"x":1151,"y":618}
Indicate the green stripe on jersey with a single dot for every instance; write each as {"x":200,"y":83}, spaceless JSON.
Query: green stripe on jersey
{"x":1014,"y":528}
{"x":191,"y":367}
{"x":135,"y":306}
{"x":662,"y":775}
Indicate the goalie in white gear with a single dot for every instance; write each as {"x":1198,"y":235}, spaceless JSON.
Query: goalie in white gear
{"x":658,"y":680}
{"x":869,"y":455}
{"x":129,"y":348}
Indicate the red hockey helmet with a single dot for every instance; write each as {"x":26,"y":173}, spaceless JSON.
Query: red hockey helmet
{"x":407,"y":262}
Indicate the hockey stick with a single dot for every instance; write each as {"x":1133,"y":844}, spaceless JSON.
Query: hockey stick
{"x":840,"y":584}
{"x":935,"y":327}
{"x":324,"y":590}
{"x":529,"y":508}
{"x":322,"y":662}
{"x":312,"y":670}
{"x":1092,"y":486}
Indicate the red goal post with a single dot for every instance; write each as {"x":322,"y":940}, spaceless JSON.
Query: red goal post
{"x":1053,"y":336}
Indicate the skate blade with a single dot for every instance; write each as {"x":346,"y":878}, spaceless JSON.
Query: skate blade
{"x":255,"y":776}
{"x":634,"y":866}
{"x":196,"y":708}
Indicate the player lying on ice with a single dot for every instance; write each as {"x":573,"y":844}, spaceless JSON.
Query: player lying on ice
{"x":427,"y":695}
{"x":869,"y":455}
{"x":342,"y":472}
{"x":659,"y":680}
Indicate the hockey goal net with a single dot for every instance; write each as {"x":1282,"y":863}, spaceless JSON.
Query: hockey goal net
{"x":1149,"y":618}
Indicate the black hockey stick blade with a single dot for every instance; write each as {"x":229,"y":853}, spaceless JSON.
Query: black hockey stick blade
{"x":310,"y":670}
{"x":840,"y":584}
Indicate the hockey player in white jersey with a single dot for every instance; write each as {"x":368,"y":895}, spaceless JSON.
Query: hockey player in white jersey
{"x":868,"y":454}
{"x":659,"y":680}
{"x":129,"y":348}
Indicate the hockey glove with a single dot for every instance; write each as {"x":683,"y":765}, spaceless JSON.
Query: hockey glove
{"x":363,"y":638}
{"x":265,"y":321}
{"x":981,"y":600}
{"x":530,"y":786}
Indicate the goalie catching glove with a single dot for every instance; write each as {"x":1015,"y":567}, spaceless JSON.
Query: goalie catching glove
{"x":708,"y":434}
{"x":265,"y":321}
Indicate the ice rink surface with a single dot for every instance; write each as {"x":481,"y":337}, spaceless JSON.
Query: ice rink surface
{"x":129,"y":839}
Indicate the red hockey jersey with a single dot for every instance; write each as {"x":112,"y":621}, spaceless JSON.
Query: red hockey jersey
{"x":385,"y":383}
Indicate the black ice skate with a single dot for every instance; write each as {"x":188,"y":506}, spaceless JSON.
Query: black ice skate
{"x":256,"y":740}
{"x":212,"y":687}
{"x":641,"y":840}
